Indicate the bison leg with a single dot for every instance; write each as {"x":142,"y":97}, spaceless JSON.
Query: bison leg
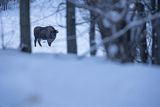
{"x":39,"y":41}
{"x":35,"y":40}
{"x":49,"y":43}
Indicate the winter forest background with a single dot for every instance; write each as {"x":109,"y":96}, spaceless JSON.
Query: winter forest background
{"x":106,"y":53}
{"x":126,"y":31}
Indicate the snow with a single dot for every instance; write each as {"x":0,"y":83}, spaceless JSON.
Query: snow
{"x":58,"y":80}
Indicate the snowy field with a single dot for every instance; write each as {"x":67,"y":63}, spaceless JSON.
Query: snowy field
{"x":43,"y":80}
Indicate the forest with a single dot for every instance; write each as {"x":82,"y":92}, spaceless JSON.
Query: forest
{"x":123,"y":31}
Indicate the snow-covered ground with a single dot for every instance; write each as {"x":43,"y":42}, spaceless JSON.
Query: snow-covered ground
{"x":46,"y":80}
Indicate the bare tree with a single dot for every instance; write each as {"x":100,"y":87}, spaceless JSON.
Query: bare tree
{"x":25,"y":43}
{"x":2,"y":32}
{"x":71,"y":28}
{"x":92,"y":30}
{"x":140,"y":34}
{"x":109,"y":25}
{"x":126,"y":28}
{"x":92,"y":33}
{"x":156,"y":33}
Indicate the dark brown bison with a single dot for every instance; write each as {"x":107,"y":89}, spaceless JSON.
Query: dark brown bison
{"x":44,"y":33}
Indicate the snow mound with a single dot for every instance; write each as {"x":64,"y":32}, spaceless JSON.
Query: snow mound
{"x":42,"y":80}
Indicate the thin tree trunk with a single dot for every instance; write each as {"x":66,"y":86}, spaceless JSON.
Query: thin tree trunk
{"x":141,"y":39}
{"x":158,"y":48}
{"x":156,"y":33}
{"x":149,"y":32}
{"x":25,"y":44}
{"x":2,"y":32}
{"x":71,"y":28}
{"x":92,"y":34}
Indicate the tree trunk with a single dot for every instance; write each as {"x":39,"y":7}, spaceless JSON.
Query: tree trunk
{"x":158,"y":47}
{"x":141,"y":36}
{"x":71,"y":28}
{"x":25,"y":43}
{"x":2,"y":31}
{"x":92,"y":34}
{"x":156,"y":33}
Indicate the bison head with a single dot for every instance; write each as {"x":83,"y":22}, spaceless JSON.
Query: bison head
{"x":53,"y":32}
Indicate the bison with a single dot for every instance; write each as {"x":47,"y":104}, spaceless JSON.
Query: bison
{"x":44,"y":33}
